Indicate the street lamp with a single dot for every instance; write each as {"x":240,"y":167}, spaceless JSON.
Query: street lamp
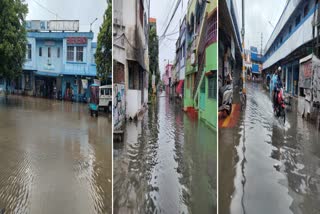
{"x":92,"y":23}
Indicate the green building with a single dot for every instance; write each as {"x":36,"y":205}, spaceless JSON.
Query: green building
{"x":201,"y":72}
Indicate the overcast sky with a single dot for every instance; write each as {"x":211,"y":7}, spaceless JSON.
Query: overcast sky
{"x":162,"y":11}
{"x":260,"y":16}
{"x":83,"y":10}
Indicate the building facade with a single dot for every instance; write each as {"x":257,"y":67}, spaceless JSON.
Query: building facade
{"x":130,"y":55}
{"x":292,"y":40}
{"x":58,"y":65}
{"x":201,"y":65}
{"x":181,"y":58}
{"x":230,"y":47}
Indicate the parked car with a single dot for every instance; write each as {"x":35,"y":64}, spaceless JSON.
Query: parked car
{"x":105,"y":97}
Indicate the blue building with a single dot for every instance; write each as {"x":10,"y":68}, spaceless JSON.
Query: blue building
{"x":256,"y":62}
{"x":58,"y":65}
{"x":291,"y":40}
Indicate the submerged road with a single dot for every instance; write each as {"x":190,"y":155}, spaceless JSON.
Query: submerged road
{"x":167,"y":163}
{"x":54,"y":157}
{"x":266,"y":166}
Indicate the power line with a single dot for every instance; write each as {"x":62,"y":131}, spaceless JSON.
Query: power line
{"x":168,"y":14}
{"x":177,"y":25}
{"x":50,"y":11}
{"x":174,"y":12}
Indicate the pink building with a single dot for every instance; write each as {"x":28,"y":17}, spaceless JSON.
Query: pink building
{"x":166,"y":77}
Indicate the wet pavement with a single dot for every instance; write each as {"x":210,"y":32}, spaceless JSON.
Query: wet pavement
{"x":167,"y":163}
{"x":54,"y":157}
{"x":266,"y":165}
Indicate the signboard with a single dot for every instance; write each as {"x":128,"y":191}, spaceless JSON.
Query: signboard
{"x":63,"y":25}
{"x":96,"y":81}
{"x":77,"y":40}
{"x":305,"y":74}
{"x":316,"y":79}
{"x":36,"y":25}
{"x":52,"y":25}
{"x":49,"y":43}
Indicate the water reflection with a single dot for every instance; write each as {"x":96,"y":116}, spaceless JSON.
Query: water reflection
{"x":166,"y":164}
{"x":269,"y":166}
{"x":54,"y":158}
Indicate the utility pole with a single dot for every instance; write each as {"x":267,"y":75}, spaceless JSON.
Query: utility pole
{"x":261,"y":43}
{"x":243,"y":54}
{"x":92,"y":23}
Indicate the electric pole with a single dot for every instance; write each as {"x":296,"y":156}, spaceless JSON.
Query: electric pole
{"x":243,"y":55}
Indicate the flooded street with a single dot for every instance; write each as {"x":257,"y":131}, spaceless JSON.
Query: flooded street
{"x":54,"y":157}
{"x":166,"y":164}
{"x":267,"y":166}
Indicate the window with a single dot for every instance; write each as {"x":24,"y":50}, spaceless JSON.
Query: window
{"x":70,"y":53}
{"x":212,"y":29}
{"x":79,"y":52}
{"x":212,"y":86}
{"x":58,"y":52}
{"x":29,"y":52}
{"x":298,"y":20}
{"x":40,"y":51}
{"x":49,"y":52}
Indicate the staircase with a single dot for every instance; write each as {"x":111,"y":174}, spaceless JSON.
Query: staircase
{"x":201,"y":58}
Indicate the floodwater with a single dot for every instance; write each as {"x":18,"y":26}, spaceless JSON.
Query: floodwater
{"x":266,"y":165}
{"x":54,"y":157}
{"x":166,"y":164}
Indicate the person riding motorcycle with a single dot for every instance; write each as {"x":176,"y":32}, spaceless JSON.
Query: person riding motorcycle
{"x":277,"y":85}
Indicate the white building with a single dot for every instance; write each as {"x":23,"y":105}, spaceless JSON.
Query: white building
{"x":130,"y":52}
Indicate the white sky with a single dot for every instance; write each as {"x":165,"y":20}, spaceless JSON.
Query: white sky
{"x":83,"y":10}
{"x":258,"y":14}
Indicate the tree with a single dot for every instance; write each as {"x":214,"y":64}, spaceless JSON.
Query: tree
{"x":103,"y":54}
{"x":153,"y":56}
{"x":13,"y":38}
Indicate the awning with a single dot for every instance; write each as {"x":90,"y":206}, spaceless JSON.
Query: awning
{"x":48,"y":74}
{"x":179,"y":87}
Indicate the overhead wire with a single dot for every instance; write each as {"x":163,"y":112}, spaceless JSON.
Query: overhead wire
{"x":45,"y":8}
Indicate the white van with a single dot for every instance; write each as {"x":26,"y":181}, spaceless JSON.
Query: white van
{"x":105,"y":97}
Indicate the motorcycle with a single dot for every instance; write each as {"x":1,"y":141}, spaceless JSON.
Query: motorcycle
{"x":226,"y":93}
{"x":280,"y":107}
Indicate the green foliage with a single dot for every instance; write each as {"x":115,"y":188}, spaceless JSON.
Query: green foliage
{"x":103,"y":54}
{"x":13,"y":39}
{"x":153,"y":56}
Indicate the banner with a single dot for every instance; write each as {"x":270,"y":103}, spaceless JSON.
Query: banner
{"x":316,"y":79}
{"x":96,"y":81}
{"x":84,"y":83}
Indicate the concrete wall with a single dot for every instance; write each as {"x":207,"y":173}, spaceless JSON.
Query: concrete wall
{"x":43,"y":62}
{"x":208,"y":107}
{"x":133,"y":102}
{"x":31,"y":64}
